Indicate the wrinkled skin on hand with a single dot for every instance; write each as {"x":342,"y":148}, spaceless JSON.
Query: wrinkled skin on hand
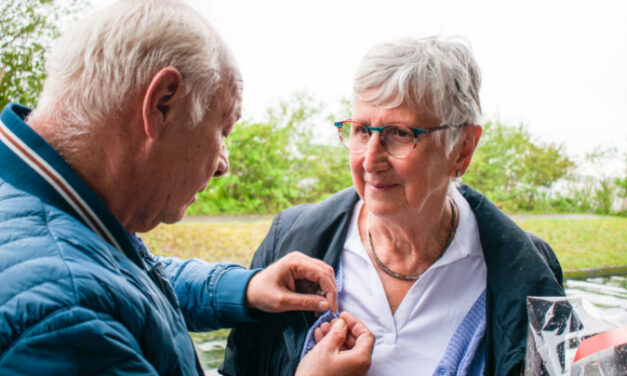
{"x":343,"y":347}
{"x":295,"y":282}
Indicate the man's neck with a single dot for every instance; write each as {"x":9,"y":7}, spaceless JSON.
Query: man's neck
{"x":102,"y":159}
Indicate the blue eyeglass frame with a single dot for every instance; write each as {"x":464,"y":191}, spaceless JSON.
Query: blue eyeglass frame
{"x":414,"y":131}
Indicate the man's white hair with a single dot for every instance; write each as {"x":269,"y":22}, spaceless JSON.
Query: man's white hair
{"x":440,"y":76}
{"x":108,"y":58}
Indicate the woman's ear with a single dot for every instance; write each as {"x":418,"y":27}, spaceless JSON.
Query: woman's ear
{"x":164,"y":91}
{"x":471,"y":137}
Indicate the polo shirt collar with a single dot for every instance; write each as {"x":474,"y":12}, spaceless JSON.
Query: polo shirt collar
{"x":457,"y":250}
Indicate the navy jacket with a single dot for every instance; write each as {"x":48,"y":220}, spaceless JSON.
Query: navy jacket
{"x":519,"y":264}
{"x":80,"y":295}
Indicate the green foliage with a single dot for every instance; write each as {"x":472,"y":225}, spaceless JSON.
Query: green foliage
{"x":621,"y":184}
{"x":277,"y":163}
{"x":595,"y":194}
{"x":27,"y":29}
{"x":284,"y":161}
{"x":514,"y":171}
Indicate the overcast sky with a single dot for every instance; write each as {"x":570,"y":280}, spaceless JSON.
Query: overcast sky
{"x":558,"y":66}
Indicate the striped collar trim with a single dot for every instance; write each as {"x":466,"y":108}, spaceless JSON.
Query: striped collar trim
{"x":57,"y":182}
{"x":35,"y":167}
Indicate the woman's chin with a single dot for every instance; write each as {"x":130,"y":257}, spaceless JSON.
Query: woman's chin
{"x":383,"y":209}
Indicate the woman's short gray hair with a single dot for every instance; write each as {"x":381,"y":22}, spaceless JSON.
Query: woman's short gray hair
{"x":431,"y":74}
{"x":108,"y":58}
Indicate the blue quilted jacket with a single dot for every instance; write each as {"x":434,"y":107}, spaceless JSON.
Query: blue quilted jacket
{"x":81,"y":295}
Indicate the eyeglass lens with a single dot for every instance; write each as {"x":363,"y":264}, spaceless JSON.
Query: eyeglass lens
{"x":397,"y":140}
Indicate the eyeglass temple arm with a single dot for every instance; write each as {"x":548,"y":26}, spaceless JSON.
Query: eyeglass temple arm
{"x":428,"y":130}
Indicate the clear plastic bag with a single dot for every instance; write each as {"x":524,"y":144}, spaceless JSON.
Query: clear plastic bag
{"x":557,"y":328}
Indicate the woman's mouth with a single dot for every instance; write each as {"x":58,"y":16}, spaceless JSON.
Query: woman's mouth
{"x":381,"y":186}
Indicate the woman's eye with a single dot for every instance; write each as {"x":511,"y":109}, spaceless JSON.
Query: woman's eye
{"x":400,"y":133}
{"x":361,"y":130}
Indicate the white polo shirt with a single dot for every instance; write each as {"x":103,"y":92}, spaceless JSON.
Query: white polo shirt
{"x":414,"y":339}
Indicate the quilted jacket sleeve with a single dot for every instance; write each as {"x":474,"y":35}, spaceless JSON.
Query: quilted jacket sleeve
{"x":211,"y":295}
{"x":79,"y":342}
{"x":242,"y":350}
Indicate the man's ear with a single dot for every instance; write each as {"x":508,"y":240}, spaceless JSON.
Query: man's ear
{"x":164,"y":91}
{"x":471,"y":137}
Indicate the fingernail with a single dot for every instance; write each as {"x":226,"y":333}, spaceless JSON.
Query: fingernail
{"x":323,"y":306}
{"x":339,"y":323}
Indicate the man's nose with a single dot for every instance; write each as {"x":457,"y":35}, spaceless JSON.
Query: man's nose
{"x":223,"y":162}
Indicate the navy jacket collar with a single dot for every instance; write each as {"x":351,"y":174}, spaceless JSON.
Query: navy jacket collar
{"x":519,"y":265}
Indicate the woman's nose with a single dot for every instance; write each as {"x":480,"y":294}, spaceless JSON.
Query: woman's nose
{"x":375,"y":153}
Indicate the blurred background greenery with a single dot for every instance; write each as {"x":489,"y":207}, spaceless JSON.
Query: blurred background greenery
{"x":293,"y":156}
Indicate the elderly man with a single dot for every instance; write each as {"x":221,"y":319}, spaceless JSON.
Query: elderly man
{"x":129,"y":128}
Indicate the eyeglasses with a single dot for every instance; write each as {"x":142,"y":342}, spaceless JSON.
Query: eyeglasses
{"x":397,"y":140}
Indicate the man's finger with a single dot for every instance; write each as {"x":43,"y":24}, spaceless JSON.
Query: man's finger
{"x":323,"y":276}
{"x":320,"y":263}
{"x":293,"y":301}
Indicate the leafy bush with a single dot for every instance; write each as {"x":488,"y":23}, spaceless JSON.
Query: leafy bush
{"x":277,"y":163}
{"x":513,"y":171}
{"x":27,"y":29}
{"x":592,"y":191}
{"x":282,"y":162}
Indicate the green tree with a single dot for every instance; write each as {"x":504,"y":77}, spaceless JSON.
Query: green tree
{"x":621,"y":184}
{"x":278,"y":162}
{"x":599,"y":193}
{"x":27,"y":29}
{"x":514,"y":171}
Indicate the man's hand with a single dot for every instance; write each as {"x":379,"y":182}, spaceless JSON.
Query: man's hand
{"x":343,"y":348}
{"x":274,"y":288}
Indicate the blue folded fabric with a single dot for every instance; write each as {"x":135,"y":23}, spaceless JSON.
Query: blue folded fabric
{"x":328,"y":316}
{"x":465,"y":353}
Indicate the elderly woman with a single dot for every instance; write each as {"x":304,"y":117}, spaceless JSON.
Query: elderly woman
{"x":435,"y":270}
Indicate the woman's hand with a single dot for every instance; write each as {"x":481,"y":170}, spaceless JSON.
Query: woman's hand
{"x":343,"y":348}
{"x":274,"y":288}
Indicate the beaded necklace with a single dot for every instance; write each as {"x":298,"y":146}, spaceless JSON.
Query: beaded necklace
{"x":410,"y":277}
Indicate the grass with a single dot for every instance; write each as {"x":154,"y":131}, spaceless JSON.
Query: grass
{"x":578,"y":243}
{"x":211,"y":356}
{"x":583,"y":243}
{"x":213,"y":242}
